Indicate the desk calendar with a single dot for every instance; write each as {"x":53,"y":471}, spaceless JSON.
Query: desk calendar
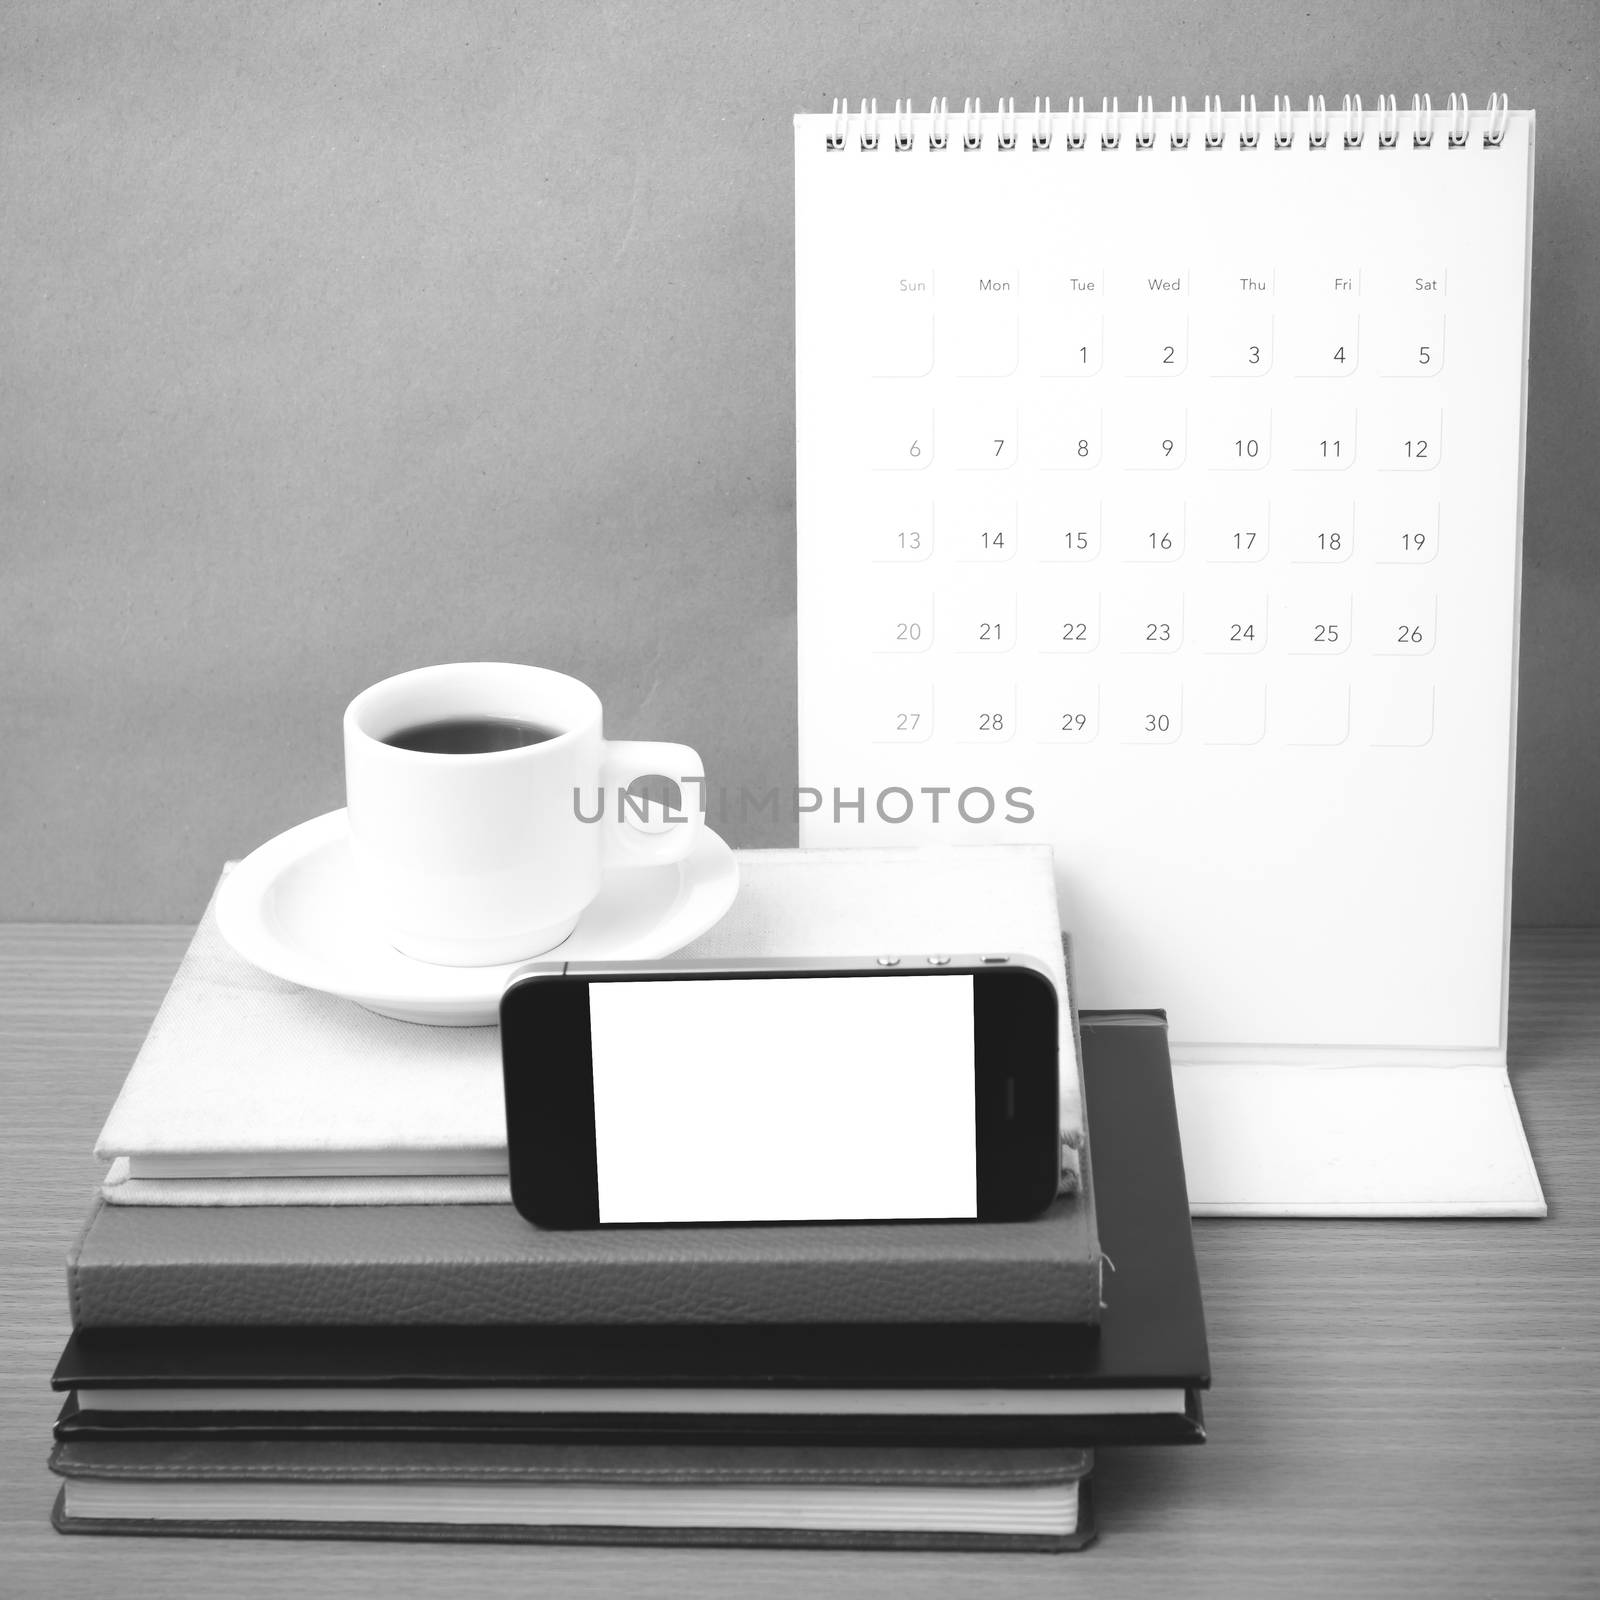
{"x":1159,"y":495}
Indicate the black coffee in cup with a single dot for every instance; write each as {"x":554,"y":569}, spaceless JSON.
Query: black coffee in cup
{"x":470,"y":736}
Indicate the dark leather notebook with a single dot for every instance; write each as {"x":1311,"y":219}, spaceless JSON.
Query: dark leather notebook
{"x":863,"y":1496}
{"x":483,"y":1265}
{"x":1151,"y":1339}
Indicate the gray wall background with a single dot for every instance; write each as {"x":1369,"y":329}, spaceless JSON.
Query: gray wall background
{"x":343,"y":338}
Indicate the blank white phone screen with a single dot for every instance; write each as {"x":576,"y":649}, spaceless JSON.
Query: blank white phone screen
{"x":784,"y":1099}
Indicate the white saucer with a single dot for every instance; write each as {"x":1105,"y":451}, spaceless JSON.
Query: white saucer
{"x":294,"y":909}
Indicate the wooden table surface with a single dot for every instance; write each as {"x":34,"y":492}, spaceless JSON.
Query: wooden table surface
{"x":1398,"y":1407}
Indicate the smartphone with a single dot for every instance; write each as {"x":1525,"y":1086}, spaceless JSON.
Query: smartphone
{"x":858,"y":1089}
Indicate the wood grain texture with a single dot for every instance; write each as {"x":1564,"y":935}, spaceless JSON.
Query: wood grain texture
{"x":1399,"y":1407}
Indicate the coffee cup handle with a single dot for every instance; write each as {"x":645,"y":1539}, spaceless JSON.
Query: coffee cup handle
{"x":641,"y":833}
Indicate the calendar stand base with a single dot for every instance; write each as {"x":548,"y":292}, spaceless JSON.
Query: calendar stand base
{"x":1367,"y":1141}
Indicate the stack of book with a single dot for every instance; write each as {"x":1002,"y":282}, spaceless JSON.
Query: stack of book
{"x":303,"y":1306}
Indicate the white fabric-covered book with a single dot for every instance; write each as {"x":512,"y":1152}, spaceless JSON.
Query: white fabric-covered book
{"x":252,"y":1091}
{"x":860,"y":1495}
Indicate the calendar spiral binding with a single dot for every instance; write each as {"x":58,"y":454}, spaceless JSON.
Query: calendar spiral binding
{"x":1249,"y":125}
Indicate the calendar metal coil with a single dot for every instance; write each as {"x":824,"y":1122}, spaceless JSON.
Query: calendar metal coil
{"x":1038,"y":130}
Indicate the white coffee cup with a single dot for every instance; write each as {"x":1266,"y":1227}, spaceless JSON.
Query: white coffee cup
{"x":476,"y":859}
